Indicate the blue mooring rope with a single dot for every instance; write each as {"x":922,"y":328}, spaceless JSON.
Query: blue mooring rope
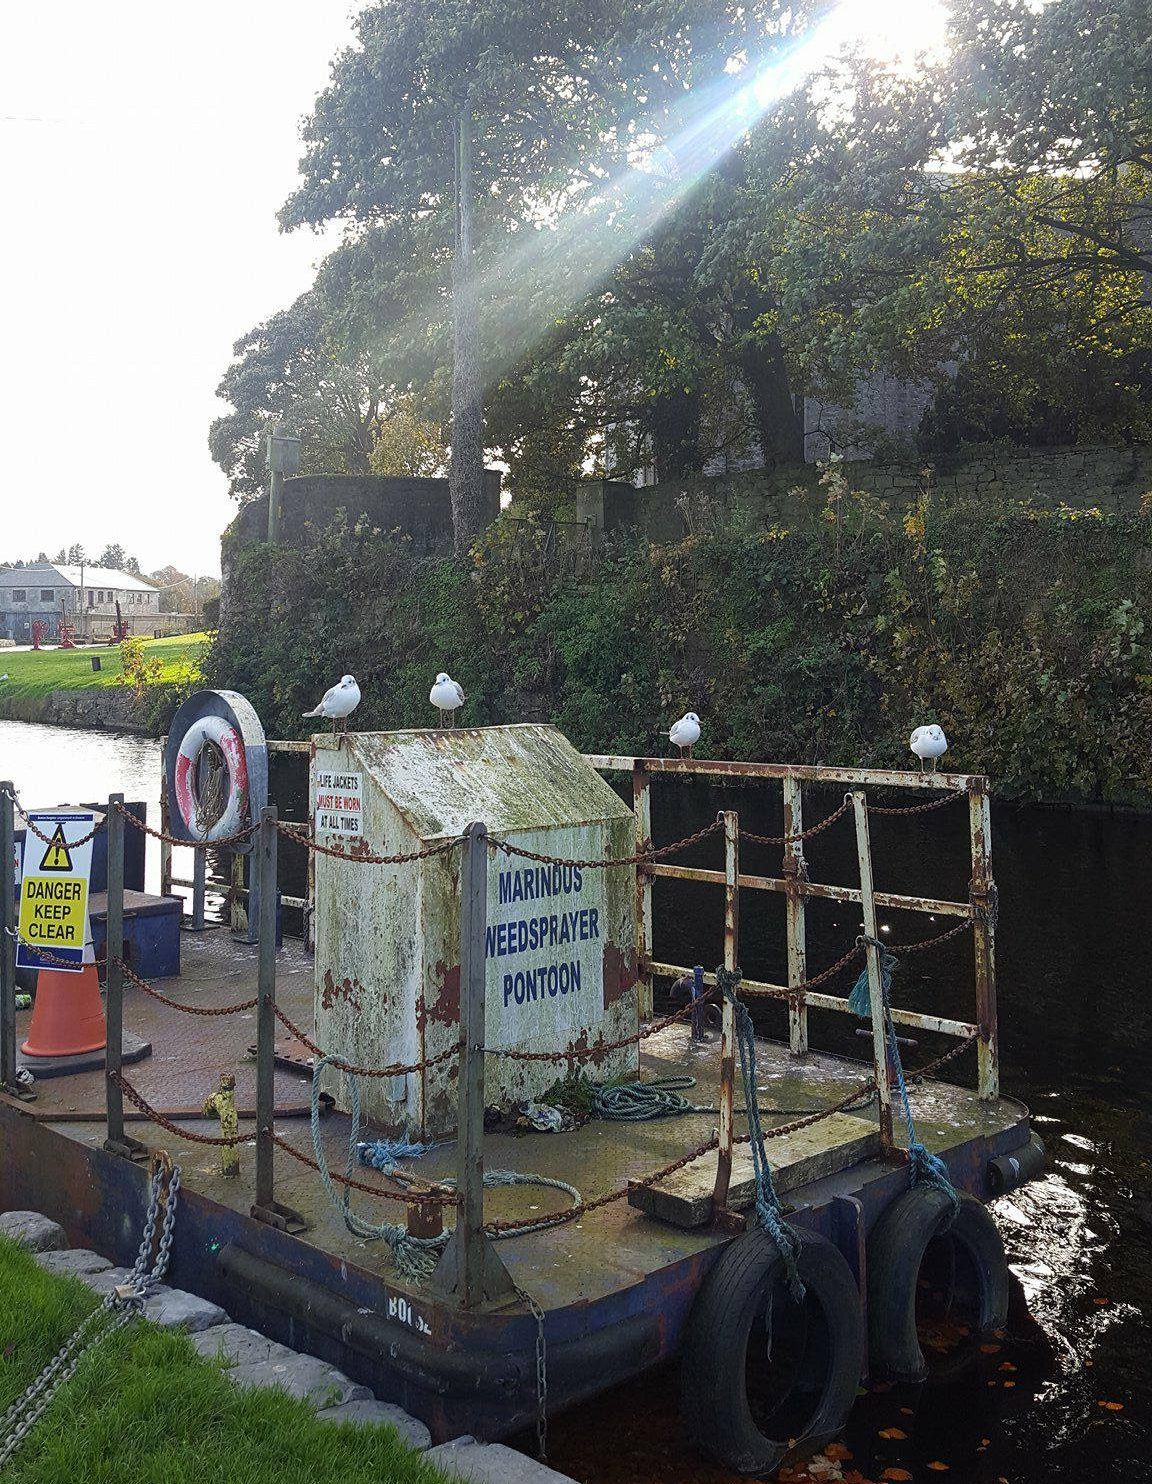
{"x":927,"y":1168}
{"x":768,"y":1206}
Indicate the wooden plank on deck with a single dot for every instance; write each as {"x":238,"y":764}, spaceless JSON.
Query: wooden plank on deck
{"x":685,"y":1197}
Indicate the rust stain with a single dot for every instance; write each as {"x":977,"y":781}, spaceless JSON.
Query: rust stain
{"x":445,"y":1009}
{"x":347,"y":990}
{"x":619,"y":973}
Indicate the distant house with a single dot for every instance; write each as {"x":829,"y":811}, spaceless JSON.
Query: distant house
{"x":86,"y":596}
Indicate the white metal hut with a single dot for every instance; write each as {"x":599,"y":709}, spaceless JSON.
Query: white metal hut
{"x":560,"y":939}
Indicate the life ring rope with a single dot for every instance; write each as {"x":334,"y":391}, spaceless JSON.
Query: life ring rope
{"x":194,"y":811}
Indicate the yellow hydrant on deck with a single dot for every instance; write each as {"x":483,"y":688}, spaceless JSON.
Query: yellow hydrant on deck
{"x":223,"y":1104}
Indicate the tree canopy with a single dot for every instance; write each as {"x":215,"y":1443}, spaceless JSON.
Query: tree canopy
{"x":660,"y":277}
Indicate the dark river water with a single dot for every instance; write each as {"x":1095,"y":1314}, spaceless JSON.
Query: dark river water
{"x":1068,"y":1397}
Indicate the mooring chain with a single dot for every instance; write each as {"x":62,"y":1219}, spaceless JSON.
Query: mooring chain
{"x":541,"y":1373}
{"x":39,"y":833}
{"x":119,"y":1306}
{"x":807,"y":834}
{"x":641,"y":857}
{"x":134,"y":978}
{"x":963,"y":926}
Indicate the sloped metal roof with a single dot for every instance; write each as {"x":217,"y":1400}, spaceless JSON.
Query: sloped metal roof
{"x":524,"y":777}
{"x":50,"y":573}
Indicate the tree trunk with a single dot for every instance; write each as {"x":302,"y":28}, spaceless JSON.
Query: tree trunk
{"x":466,"y":470}
{"x":780,"y":427}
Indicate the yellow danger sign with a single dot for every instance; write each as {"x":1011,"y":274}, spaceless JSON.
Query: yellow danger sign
{"x":57,"y":857}
{"x":53,"y":924}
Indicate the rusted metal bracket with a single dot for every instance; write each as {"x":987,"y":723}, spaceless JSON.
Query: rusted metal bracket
{"x":126,"y":1147}
{"x":283,"y":1218}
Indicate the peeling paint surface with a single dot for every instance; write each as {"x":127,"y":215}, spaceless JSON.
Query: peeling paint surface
{"x":561,"y":949}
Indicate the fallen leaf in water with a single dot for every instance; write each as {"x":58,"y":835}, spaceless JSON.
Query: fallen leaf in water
{"x":1008,"y":1385}
{"x":984,"y":1442}
{"x":989,"y":1349}
{"x":908,"y":1412}
{"x":893,"y":1434}
{"x":1007,"y":1366}
{"x":838,"y":1452}
{"x":882,"y":1386}
{"x":1111,"y":1406}
{"x":938,"y":1467}
{"x":1101,"y":1303}
{"x":898,"y":1476}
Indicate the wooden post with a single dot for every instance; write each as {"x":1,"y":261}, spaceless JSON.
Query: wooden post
{"x":795,"y":871}
{"x":471,"y":1271}
{"x":642,"y":809}
{"x":728,"y":1012}
{"x":875,"y":990}
{"x":266,"y":841}
{"x":982,"y":892}
{"x":7,"y":941}
{"x":199,"y":889}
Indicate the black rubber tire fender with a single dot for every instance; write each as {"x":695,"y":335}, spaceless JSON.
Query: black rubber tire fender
{"x":713,"y":1390}
{"x":896,"y":1249}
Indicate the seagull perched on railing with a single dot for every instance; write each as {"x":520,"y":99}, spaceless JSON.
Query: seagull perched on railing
{"x":685,"y":733}
{"x":339,"y":702}
{"x":447,"y":697}
{"x":928,"y":742}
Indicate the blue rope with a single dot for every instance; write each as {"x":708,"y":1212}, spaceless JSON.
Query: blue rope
{"x":927,"y":1168}
{"x":768,"y":1206}
{"x":382,"y":1154}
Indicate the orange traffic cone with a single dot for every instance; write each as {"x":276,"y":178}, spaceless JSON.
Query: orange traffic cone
{"x":68,"y":1014}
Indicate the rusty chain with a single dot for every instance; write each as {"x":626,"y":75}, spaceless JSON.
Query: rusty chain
{"x":204,"y":1010}
{"x":948,"y":798}
{"x":399,"y":1069}
{"x":602,"y":1048}
{"x":52,"y":958}
{"x":640,"y":858}
{"x":431,"y":1197}
{"x":963,"y":926}
{"x":801,"y":834}
{"x":303,"y":837}
{"x":221,"y":844}
{"x":166,"y":1123}
{"x":39,"y":833}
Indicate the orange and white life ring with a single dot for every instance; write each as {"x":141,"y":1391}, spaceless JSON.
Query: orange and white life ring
{"x":217,"y":732}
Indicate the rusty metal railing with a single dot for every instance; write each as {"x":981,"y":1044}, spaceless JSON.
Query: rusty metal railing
{"x":800,"y":993}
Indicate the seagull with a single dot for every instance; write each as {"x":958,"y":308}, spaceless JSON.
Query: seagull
{"x":928,"y":742}
{"x":447,"y":697}
{"x":685,"y":733}
{"x":339,"y":702}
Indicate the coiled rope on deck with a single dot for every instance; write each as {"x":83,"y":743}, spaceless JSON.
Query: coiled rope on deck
{"x":636,"y":1102}
{"x":415,"y":1257}
{"x":768,"y":1206}
{"x":927,"y":1168}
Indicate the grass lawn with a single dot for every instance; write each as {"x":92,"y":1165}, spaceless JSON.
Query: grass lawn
{"x":145,"y":1407}
{"x":35,"y":673}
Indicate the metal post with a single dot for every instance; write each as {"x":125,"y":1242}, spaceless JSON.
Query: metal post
{"x":116,"y":1140}
{"x":264,"y":872}
{"x":199,"y":889}
{"x":236,"y":895}
{"x":8,"y":943}
{"x":795,"y":871}
{"x":728,"y":1011}
{"x":875,"y":990}
{"x":697,"y":1007}
{"x":642,"y":810}
{"x":471,"y":1270}
{"x":982,"y":892}
{"x":165,"y":848}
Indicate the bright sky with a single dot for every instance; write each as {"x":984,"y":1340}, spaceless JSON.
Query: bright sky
{"x":139,"y":241}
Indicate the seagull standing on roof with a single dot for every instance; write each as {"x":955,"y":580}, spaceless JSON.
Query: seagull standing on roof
{"x":339,"y":702}
{"x":685,"y":733}
{"x":447,"y":697}
{"x":928,"y":742}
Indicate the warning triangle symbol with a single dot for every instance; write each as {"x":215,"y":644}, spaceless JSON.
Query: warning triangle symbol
{"x":57,"y":857}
